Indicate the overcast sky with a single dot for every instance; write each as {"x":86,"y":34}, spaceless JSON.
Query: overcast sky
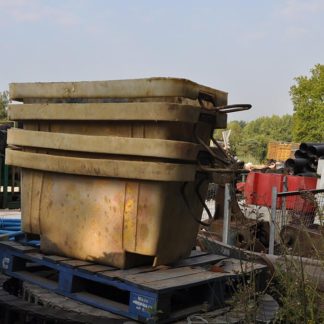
{"x":252,"y":49}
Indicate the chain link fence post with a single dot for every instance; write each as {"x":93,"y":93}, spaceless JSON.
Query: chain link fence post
{"x":283,"y":220}
{"x":227,"y":213}
{"x":273,"y":219}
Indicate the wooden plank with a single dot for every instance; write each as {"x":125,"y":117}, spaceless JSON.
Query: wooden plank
{"x":121,"y":274}
{"x":74,"y":263}
{"x":55,"y":258}
{"x":200,"y":260}
{"x":136,"y":88}
{"x":154,"y":276}
{"x":102,"y":167}
{"x":196,"y":253}
{"x":144,"y":111}
{"x":34,"y":255}
{"x":95,"y":268}
{"x":67,"y":304}
{"x":235,"y":266}
{"x":104,"y":144}
{"x":10,"y":243}
{"x":25,"y":249}
{"x":184,"y":281}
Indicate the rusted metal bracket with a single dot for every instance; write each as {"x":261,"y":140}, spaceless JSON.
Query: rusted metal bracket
{"x":201,"y":200}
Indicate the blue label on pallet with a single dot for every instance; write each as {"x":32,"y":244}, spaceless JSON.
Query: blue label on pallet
{"x":143,"y":306}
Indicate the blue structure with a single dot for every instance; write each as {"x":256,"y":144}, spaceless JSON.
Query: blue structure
{"x":10,"y":228}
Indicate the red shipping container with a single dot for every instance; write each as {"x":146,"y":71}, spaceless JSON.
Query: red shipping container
{"x":258,"y":190}
{"x":258,"y":187}
{"x":297,"y":203}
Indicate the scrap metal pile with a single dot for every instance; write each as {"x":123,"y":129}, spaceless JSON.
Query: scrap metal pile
{"x":297,"y":217}
{"x":245,"y":233}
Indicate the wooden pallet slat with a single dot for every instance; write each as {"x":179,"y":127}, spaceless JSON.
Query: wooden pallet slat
{"x":9,"y":243}
{"x":199,"y":260}
{"x":35,"y":255}
{"x":95,"y":268}
{"x":143,"y":278}
{"x":74,"y":263}
{"x":25,"y":249}
{"x":196,"y":253}
{"x":55,"y":258}
{"x":122,"y":274}
{"x":184,"y":281}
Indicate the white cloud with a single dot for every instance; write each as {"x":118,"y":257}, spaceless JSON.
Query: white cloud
{"x":296,"y":32}
{"x":255,"y":35}
{"x":296,"y":17}
{"x":33,"y":11}
{"x":296,"y":9}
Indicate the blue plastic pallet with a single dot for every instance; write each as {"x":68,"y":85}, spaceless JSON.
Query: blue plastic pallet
{"x":10,"y":228}
{"x":144,"y":294}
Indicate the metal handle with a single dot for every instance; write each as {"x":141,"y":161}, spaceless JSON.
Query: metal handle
{"x":226,"y":109}
{"x":234,"y":108}
{"x":209,"y":150}
{"x":201,"y":200}
{"x":207,"y":97}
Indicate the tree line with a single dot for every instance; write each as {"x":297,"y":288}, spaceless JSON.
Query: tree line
{"x":4,"y":101}
{"x":249,"y":140}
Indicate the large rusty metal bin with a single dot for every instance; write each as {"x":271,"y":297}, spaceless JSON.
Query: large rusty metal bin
{"x":105,"y":164}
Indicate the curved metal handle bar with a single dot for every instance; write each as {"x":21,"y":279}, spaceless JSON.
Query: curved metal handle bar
{"x":234,"y":108}
{"x":202,"y":201}
{"x":231,"y":160}
{"x":183,"y":195}
{"x":208,"y":149}
{"x":207,"y":97}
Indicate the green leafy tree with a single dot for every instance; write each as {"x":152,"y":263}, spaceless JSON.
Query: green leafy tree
{"x":271,"y":128}
{"x":236,"y":127}
{"x":250,"y":140}
{"x":4,"y":100}
{"x":308,"y":100}
{"x":259,"y":132}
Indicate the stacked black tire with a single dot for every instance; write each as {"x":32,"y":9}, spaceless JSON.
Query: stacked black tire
{"x":306,"y":159}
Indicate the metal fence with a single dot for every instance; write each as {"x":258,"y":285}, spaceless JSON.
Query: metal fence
{"x":296,"y":213}
{"x":295,"y":217}
{"x":218,"y":203}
